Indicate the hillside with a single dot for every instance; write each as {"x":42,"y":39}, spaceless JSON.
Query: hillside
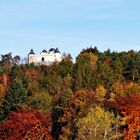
{"x":95,"y":98}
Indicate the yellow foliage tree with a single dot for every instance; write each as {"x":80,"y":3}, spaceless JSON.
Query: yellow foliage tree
{"x":97,"y":125}
{"x":100,"y":94}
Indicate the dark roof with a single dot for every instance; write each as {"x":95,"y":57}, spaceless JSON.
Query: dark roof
{"x":31,"y":51}
{"x":52,"y":50}
{"x":44,"y":51}
{"x":57,"y":50}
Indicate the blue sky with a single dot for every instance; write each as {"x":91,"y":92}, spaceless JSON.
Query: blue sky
{"x":70,"y":25}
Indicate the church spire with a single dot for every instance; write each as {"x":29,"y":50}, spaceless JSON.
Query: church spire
{"x":31,"y":52}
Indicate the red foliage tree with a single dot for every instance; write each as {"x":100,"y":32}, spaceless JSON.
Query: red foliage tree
{"x":26,"y":124}
{"x":129,"y":107}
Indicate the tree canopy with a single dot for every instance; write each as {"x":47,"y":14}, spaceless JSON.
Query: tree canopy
{"x":97,"y":97}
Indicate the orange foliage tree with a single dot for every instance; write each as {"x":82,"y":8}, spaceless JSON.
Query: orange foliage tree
{"x":129,"y":108}
{"x":5,"y":82}
{"x":78,"y":107}
{"x":32,"y":74}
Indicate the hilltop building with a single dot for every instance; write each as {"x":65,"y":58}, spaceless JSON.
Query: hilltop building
{"x":45,"y":57}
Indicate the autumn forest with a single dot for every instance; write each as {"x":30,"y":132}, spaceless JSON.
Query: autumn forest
{"x":97,"y":97}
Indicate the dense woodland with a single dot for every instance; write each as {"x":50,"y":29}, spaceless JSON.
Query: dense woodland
{"x":95,"y":98}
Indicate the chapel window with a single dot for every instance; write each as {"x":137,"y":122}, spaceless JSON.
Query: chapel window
{"x":43,"y":59}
